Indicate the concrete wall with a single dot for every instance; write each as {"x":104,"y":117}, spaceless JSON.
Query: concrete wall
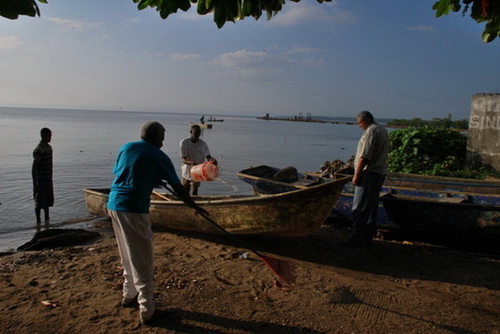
{"x":483,"y":143}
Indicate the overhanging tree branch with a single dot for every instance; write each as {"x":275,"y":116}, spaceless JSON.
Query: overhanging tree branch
{"x":234,"y":10}
{"x":480,"y":10}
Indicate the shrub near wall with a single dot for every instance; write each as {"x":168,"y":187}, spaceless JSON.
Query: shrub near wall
{"x":429,"y":150}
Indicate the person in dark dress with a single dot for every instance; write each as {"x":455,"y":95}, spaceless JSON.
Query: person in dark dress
{"x":41,"y":171}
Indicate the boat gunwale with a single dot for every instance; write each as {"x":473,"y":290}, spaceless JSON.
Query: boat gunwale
{"x":291,"y":185}
{"x":436,"y":201}
{"x":435,"y":191}
{"x":229,"y":199}
{"x":434,"y":179}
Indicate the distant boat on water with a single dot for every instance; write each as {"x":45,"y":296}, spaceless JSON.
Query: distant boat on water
{"x":213,"y":119}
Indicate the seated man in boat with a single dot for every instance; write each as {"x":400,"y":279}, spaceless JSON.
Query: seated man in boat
{"x":194,"y":151}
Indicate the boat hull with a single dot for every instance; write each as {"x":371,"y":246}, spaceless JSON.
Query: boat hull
{"x":435,"y":203}
{"x":421,"y":186}
{"x":457,"y":213}
{"x":290,"y":214}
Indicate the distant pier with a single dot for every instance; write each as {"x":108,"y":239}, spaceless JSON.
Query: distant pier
{"x":309,"y":119}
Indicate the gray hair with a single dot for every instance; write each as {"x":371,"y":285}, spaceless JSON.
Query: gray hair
{"x":151,"y":130}
{"x":366,"y":117}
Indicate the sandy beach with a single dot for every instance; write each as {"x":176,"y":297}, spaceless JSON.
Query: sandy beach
{"x":205,"y":285}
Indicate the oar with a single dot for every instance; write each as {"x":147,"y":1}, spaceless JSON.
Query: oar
{"x":281,"y":269}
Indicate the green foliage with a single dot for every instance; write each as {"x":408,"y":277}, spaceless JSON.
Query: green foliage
{"x":447,"y":123}
{"x":427,"y":150}
{"x":432,"y":151}
{"x":233,"y":10}
{"x":11,"y":9}
{"x":223,"y":10}
{"x":480,"y":10}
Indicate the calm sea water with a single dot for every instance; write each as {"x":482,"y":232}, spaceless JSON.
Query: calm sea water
{"x":85,"y":143}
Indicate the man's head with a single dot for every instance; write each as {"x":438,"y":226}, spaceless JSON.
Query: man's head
{"x":195,"y":133}
{"x":364,"y":119}
{"x":46,"y":135}
{"x":153,"y":132}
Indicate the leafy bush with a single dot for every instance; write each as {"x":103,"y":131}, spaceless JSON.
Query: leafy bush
{"x":432,"y":151}
{"x":461,"y":124}
{"x":428,"y":150}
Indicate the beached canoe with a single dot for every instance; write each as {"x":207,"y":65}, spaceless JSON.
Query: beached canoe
{"x":482,"y":199}
{"x":443,"y":212}
{"x":290,"y":214}
{"x":422,"y":186}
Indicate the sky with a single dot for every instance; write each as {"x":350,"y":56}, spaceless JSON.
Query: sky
{"x":393,"y":58}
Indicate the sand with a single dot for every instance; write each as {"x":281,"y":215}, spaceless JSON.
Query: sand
{"x":204,"y":284}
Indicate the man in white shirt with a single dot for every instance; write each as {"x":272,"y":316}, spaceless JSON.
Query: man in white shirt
{"x":194,"y":151}
{"x":370,"y":169}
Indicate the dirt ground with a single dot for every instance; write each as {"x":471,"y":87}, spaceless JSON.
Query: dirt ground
{"x":205,"y":285}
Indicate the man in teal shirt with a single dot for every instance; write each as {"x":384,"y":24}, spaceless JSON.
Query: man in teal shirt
{"x":140,"y":166}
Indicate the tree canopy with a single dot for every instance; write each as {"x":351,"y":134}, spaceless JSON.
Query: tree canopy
{"x":482,"y":11}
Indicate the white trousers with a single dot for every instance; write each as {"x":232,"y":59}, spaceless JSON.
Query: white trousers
{"x":135,"y":244}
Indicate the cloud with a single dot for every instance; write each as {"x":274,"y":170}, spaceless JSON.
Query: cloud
{"x":314,"y":62}
{"x":306,"y":11}
{"x":301,"y":50}
{"x":68,"y":24}
{"x":305,"y":56}
{"x":245,"y":64}
{"x":185,"y":56}
{"x":10,"y":42}
{"x":250,"y":59}
{"x":422,"y":28}
{"x":135,"y":19}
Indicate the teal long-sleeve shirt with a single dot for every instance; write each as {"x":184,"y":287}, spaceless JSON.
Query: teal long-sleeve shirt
{"x":139,"y":167}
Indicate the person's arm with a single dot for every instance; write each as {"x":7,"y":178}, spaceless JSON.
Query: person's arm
{"x":211,"y":159}
{"x":362,"y":162}
{"x":186,"y":161}
{"x":184,"y":196}
{"x":34,"y":168}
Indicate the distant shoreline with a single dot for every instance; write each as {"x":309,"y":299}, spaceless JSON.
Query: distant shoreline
{"x":310,"y":120}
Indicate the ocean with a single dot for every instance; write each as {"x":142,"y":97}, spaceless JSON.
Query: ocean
{"x":85,"y":143}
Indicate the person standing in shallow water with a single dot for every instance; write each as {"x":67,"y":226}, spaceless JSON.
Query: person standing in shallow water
{"x":370,"y":169}
{"x":194,"y":151}
{"x":41,"y":172}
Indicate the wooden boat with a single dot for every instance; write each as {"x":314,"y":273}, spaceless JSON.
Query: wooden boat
{"x":201,"y":125}
{"x":414,"y":185}
{"x":480,"y":195}
{"x":262,"y":179}
{"x":443,"y":212}
{"x":441,"y":183}
{"x":289,"y":214}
